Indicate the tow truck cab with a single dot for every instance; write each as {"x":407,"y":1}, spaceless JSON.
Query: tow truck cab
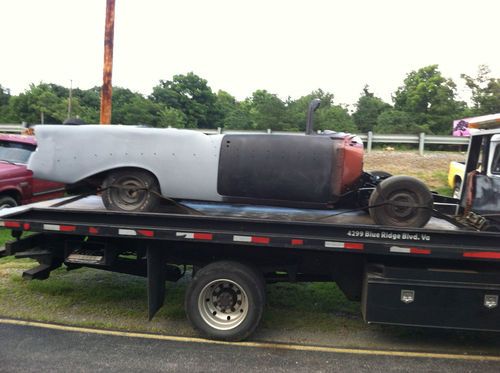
{"x":479,"y":195}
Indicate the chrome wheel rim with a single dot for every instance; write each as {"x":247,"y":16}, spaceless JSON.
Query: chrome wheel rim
{"x":223,"y":304}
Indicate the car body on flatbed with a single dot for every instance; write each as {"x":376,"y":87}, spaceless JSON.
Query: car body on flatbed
{"x":134,"y":168}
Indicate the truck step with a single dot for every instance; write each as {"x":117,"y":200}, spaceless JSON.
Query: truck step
{"x":86,"y":256}
{"x":40,"y":272}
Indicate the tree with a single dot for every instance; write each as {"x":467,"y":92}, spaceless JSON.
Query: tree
{"x":368,"y":109}
{"x":170,"y":117}
{"x":335,"y":118}
{"x":267,"y":111}
{"x":395,"y":121}
{"x":132,"y":108}
{"x":429,"y":98}
{"x":86,"y":104}
{"x":191,"y":95}
{"x":485,"y":91}
{"x":297,"y":110}
{"x":5,"y":112}
{"x":39,"y":104}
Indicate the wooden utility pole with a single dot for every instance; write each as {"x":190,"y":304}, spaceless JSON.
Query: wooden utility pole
{"x":107,"y":88}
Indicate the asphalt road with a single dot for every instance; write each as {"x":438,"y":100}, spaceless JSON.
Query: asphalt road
{"x":38,"y":349}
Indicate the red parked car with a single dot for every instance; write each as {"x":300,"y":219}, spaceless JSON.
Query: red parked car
{"x":17,"y":185}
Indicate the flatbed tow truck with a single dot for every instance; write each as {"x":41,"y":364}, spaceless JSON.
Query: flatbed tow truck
{"x":444,"y":275}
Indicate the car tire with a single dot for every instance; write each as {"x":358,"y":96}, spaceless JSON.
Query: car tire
{"x":7,"y":201}
{"x":401,"y":201}
{"x":131,"y":190}
{"x":225,"y":300}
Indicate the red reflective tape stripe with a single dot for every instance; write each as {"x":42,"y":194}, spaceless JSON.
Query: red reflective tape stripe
{"x":26,"y":226}
{"x":93,"y":230}
{"x":67,"y":228}
{"x":146,"y":232}
{"x":354,"y":246}
{"x":482,"y":254}
{"x":260,"y":239}
{"x":297,"y":242}
{"x":12,"y":224}
{"x":414,"y":250}
{"x":203,"y":236}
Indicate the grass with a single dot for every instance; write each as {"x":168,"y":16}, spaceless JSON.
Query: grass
{"x":94,"y":298}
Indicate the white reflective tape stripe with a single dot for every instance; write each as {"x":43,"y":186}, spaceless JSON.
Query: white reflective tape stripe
{"x":334,"y":244}
{"x":127,"y":232}
{"x":185,"y":235}
{"x":51,"y":227}
{"x":397,"y":249}
{"x":242,"y":238}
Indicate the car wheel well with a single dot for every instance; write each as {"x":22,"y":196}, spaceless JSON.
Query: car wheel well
{"x":11,"y":193}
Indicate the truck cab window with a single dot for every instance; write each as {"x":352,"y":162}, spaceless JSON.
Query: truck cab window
{"x":495,"y":164}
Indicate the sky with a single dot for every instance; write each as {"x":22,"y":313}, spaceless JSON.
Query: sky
{"x":287,"y":47}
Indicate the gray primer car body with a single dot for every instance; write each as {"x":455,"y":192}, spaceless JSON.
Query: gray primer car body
{"x":185,"y":161}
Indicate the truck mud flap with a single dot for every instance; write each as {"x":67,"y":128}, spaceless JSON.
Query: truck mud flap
{"x":440,"y":298}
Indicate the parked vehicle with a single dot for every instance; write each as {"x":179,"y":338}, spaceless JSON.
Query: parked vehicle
{"x":17,"y":184}
{"x":456,"y":173}
{"x":464,"y":127}
{"x":135,"y":167}
{"x":445,"y":275}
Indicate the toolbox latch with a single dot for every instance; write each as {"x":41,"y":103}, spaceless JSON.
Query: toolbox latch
{"x":490,"y":301}
{"x":407,"y":296}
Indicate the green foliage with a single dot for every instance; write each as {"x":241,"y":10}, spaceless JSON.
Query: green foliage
{"x":425,"y":102}
{"x":191,"y":95}
{"x":397,"y":122}
{"x":368,"y":109}
{"x":170,"y":117}
{"x":335,"y":118}
{"x":430,"y":99}
{"x":268,"y":111}
{"x":485,"y":91}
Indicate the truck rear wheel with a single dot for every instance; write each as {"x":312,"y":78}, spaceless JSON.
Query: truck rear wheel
{"x":401,"y":201}
{"x":225,"y":300}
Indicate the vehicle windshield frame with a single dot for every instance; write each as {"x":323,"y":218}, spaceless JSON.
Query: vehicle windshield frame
{"x":15,"y":152}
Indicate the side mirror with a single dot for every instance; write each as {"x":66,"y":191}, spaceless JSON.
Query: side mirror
{"x":313,"y":106}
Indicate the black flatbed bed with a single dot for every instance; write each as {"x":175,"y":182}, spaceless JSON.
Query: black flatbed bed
{"x":417,"y":276}
{"x":303,"y":229}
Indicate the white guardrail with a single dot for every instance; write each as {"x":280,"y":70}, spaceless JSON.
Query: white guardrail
{"x":369,"y":139}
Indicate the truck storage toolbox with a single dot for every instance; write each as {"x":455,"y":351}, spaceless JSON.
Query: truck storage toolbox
{"x":446,"y":298}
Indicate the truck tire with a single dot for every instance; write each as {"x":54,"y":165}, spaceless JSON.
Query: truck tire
{"x":401,"y":201}
{"x":226,"y":300}
{"x":7,"y":201}
{"x":131,"y":190}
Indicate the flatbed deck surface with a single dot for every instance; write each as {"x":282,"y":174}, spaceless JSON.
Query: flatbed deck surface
{"x":255,"y":212}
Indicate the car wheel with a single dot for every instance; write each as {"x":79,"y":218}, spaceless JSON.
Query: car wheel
{"x":225,"y":300}
{"x":401,"y":201}
{"x":456,"y":189}
{"x":7,"y":201}
{"x":131,"y":190}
